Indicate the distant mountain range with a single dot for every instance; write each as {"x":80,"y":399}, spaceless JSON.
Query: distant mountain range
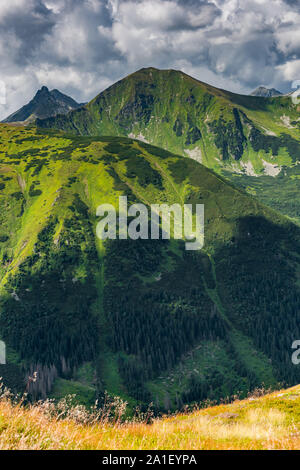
{"x":266,"y":92}
{"x":44,"y":104}
{"x":167,"y":108}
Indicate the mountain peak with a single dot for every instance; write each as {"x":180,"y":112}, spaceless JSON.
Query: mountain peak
{"x":266,"y":92}
{"x":44,"y":104}
{"x":43,"y":91}
{"x":148,"y":69}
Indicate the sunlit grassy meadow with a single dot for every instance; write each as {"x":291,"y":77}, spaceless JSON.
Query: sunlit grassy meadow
{"x":268,"y":422}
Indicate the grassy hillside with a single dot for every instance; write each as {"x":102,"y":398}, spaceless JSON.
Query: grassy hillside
{"x":144,"y":320}
{"x":266,"y":423}
{"x":280,"y":192}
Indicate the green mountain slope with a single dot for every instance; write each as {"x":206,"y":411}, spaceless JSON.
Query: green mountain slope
{"x":142,"y":319}
{"x":174,"y":111}
{"x":240,"y":135}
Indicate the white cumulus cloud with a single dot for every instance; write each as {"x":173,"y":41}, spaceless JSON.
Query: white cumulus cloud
{"x":83,"y":46}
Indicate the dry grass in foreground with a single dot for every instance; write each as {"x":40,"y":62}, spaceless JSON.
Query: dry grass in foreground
{"x":268,"y":422}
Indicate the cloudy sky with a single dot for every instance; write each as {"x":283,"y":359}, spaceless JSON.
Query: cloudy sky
{"x":82,"y":46}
